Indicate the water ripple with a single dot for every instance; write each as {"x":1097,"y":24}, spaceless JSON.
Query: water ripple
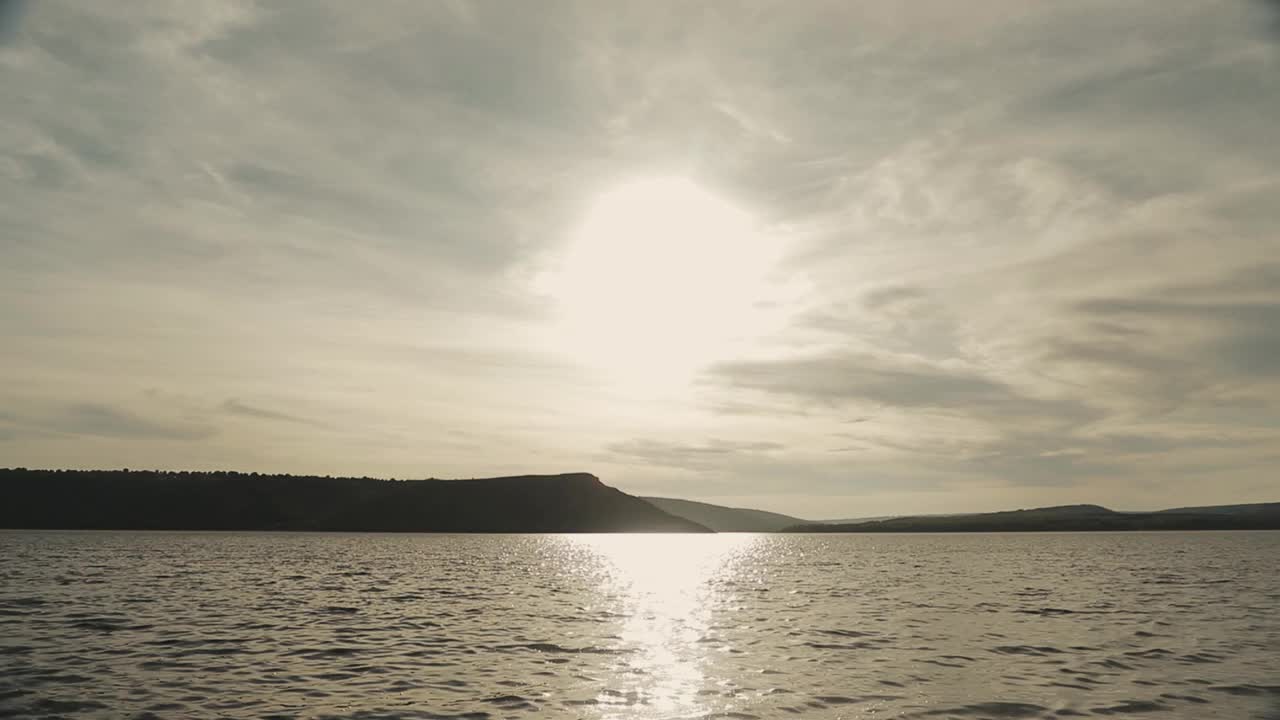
{"x":382,"y":627}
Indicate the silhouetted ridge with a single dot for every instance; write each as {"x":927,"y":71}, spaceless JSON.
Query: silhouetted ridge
{"x":1070,"y":510}
{"x":725,"y":519}
{"x":155,"y":500}
{"x":1073,"y":518}
{"x":1252,"y":509}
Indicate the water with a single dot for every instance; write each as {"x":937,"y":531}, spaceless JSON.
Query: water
{"x":192,"y":625}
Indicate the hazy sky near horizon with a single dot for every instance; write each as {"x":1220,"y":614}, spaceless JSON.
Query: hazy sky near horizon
{"x":825,"y":258}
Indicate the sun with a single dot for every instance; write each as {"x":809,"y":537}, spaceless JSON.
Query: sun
{"x":661,"y":277}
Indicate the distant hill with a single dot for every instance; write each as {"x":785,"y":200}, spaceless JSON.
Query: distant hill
{"x":725,"y":519}
{"x":1074,"y":518}
{"x":850,"y":521}
{"x":151,"y":500}
{"x":1228,"y":509}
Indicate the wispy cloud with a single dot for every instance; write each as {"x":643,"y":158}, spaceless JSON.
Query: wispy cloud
{"x":110,"y":422}
{"x":235,"y":407}
{"x":687,"y":455}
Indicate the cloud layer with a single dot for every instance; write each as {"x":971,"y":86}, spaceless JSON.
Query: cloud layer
{"x":1038,"y":243}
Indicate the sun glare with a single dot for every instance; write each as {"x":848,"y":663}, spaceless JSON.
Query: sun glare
{"x":661,"y":278}
{"x":668,"y":588}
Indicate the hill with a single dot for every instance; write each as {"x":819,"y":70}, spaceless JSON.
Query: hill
{"x":1228,"y":509}
{"x":155,"y":500}
{"x":1072,"y":518}
{"x":725,"y":519}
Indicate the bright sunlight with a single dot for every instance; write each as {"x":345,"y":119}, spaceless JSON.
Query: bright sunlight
{"x":662,"y":277}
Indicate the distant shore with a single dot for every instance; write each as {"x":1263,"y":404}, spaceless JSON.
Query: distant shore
{"x":1069,"y":518}
{"x":563,"y":503}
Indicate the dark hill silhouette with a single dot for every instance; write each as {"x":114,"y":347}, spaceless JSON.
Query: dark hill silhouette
{"x":725,"y":519}
{"x":1228,"y":509}
{"x":155,"y":500}
{"x":1073,"y":518}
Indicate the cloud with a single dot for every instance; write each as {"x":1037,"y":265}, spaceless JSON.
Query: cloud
{"x":1179,"y":344}
{"x":10,"y":17}
{"x":1273,"y":9}
{"x":1121,"y":385}
{"x":888,"y":381}
{"x":111,"y":422}
{"x":690,"y":456}
{"x":882,"y":297}
{"x":235,"y":407}
{"x":1036,"y":256}
{"x":1242,"y":337}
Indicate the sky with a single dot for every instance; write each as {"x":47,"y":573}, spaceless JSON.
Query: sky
{"x":825,"y":258}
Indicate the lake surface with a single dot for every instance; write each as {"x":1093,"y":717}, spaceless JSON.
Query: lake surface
{"x":194,"y":625}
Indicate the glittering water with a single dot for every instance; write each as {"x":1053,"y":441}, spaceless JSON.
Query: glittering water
{"x":190,"y":625}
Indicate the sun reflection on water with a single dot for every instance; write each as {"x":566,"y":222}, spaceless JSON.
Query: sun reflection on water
{"x":667,"y":588}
